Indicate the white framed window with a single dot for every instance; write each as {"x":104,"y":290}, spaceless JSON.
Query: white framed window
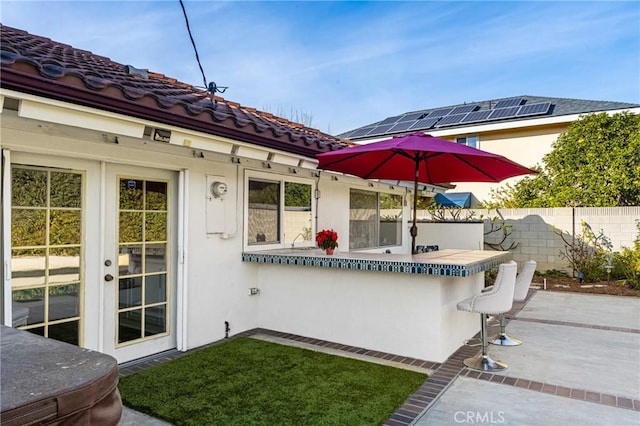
{"x":279,"y":211}
{"x":471,"y":141}
{"x":375,"y":219}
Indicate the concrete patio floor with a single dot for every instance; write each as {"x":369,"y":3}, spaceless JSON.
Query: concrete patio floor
{"x":579,"y":364}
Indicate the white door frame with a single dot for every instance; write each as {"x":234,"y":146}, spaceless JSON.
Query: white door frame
{"x":182,"y":275}
{"x":136,"y":349}
{"x":6,"y":238}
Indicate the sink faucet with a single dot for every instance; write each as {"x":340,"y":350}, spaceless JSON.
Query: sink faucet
{"x":294,"y":240}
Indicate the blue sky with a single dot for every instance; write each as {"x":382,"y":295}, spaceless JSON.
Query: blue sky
{"x":347,"y":64}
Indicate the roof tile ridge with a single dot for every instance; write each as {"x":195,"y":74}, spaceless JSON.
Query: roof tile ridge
{"x":560,"y":98}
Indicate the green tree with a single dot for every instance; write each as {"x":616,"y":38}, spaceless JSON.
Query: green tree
{"x":528,"y":192}
{"x":595,"y":163}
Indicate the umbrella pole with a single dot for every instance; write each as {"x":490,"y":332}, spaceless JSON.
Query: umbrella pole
{"x":414,"y":227}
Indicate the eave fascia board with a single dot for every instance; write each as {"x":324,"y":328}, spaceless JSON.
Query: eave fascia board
{"x":60,"y":112}
{"x":65,"y":113}
{"x":371,"y":184}
{"x":72,"y":117}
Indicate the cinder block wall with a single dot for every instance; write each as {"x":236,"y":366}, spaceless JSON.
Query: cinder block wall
{"x":533,"y":230}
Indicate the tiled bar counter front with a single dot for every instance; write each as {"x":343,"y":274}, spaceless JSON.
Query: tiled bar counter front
{"x":400,"y":304}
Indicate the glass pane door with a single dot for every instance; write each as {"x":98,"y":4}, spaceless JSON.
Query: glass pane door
{"x":142,"y":310}
{"x":46,"y":251}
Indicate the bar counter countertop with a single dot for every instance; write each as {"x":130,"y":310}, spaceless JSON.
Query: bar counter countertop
{"x":448,"y":262}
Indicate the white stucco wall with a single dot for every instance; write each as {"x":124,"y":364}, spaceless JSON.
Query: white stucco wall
{"x":451,"y":235}
{"x":403,"y":314}
{"x":217,"y":281}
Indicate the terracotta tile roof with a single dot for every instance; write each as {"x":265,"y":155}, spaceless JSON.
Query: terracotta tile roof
{"x":43,"y":67}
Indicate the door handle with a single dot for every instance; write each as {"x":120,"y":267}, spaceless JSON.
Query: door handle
{"x":108,"y":277}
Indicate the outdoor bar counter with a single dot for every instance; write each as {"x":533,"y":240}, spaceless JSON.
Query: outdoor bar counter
{"x":395,"y":303}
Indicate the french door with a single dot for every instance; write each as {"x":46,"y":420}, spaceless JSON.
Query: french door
{"x":139,"y":261}
{"x":92,"y":249}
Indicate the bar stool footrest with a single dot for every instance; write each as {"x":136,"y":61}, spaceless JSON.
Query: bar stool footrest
{"x":505,"y":340}
{"x":484,"y":363}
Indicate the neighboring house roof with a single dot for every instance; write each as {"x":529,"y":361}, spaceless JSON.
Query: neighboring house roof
{"x":46,"y":68}
{"x":454,"y":199}
{"x":515,"y":109}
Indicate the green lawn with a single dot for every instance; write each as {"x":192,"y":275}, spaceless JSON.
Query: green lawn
{"x":251,"y":382}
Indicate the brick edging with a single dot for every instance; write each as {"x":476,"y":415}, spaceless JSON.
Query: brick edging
{"x":578,"y":324}
{"x":419,"y":363}
{"x":574,"y":393}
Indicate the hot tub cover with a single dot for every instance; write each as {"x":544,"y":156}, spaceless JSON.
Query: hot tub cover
{"x":47,"y":382}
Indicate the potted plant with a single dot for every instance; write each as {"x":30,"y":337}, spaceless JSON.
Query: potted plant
{"x":327,"y":240}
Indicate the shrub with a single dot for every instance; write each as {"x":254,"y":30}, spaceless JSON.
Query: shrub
{"x":626,"y":263}
{"x":587,"y":253}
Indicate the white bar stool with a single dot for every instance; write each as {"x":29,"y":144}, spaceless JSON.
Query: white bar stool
{"x":523,"y":282}
{"x":498,"y":300}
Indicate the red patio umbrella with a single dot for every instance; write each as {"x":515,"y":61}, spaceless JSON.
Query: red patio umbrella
{"x":419,"y":157}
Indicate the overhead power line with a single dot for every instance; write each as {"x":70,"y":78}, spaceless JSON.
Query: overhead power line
{"x":210,"y":87}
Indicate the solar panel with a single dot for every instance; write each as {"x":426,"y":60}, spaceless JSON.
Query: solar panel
{"x":534,"y":109}
{"x":399,"y":127}
{"x":361,"y":132}
{"x":476,"y":116}
{"x":413,"y":116}
{"x":390,"y":120}
{"x":439,"y":112}
{"x":464,"y":109}
{"x":506,"y":103}
{"x":503,"y":113}
{"x":425,"y":123}
{"x":451,"y":119}
{"x":379,"y":130}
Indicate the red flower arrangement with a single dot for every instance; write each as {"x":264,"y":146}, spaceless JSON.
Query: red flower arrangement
{"x":327,"y":238}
